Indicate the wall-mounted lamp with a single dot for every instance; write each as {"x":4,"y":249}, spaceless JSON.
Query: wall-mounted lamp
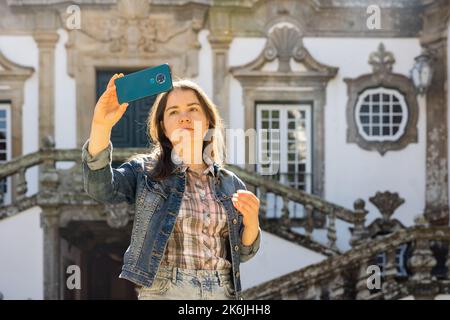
{"x":422,"y":72}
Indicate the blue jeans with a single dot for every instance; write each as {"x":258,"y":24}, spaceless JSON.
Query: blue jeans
{"x":172,"y":283}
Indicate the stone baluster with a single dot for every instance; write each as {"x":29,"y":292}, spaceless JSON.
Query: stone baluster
{"x":285,"y":212}
{"x":421,"y":261}
{"x":331,"y":230}
{"x":421,"y":264}
{"x":309,"y":226}
{"x":263,"y":203}
{"x":362,"y":284}
{"x":389,"y":286}
{"x":21,"y":186}
{"x":358,"y":232}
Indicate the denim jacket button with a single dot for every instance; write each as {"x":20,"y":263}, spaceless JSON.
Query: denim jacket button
{"x":236,"y":248}
{"x":237,"y":274}
{"x":234,"y":221}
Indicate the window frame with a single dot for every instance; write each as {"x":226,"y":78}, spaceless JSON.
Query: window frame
{"x":7,"y":107}
{"x":283,"y":108}
{"x":382,"y":76}
{"x":404,"y":113}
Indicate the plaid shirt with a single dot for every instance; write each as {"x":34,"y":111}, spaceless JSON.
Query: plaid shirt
{"x":200,"y":235}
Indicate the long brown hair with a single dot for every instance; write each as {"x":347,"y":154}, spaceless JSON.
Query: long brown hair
{"x":160,"y":164}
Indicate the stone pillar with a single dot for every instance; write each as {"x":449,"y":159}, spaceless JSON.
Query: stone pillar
{"x":52,"y":276}
{"x":46,"y":41}
{"x":220,"y":46}
{"x":434,"y":40}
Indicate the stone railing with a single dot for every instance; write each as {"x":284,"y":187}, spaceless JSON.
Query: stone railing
{"x":64,"y":187}
{"x":56,"y":186}
{"x":421,"y":271}
{"x":317,"y":213}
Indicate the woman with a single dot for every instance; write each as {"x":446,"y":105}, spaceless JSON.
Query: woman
{"x":195,"y":222}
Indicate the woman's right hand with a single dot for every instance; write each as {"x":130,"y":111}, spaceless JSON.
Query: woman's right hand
{"x":108,"y":111}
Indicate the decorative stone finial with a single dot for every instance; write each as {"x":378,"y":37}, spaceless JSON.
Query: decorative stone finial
{"x":381,"y":60}
{"x":387,"y":202}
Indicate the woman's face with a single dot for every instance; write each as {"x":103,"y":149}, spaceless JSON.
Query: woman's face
{"x":184,"y":119}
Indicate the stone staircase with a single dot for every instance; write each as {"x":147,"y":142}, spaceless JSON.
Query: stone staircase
{"x":341,"y":276}
{"x":352,"y":275}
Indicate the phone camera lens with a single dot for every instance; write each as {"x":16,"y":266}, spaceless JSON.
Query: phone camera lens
{"x":160,"y":78}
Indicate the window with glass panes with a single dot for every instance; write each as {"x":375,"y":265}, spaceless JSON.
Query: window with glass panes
{"x":400,"y":260}
{"x":292,"y":148}
{"x":4,"y":147}
{"x":381,"y":114}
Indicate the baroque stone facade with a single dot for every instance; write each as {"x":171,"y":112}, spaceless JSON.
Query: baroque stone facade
{"x":139,"y":33}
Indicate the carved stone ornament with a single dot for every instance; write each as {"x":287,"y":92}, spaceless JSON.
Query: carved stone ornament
{"x":382,"y":77}
{"x":386,"y":202}
{"x":381,"y":61}
{"x":285,"y":41}
{"x":131,"y":28}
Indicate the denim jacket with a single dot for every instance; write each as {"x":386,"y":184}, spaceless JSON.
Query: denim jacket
{"x":157,"y":204}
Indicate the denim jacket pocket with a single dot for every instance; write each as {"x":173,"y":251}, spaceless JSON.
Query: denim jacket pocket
{"x":150,"y":200}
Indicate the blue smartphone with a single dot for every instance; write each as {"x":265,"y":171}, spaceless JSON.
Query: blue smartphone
{"x":144,"y":83}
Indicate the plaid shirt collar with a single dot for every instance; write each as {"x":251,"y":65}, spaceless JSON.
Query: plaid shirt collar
{"x":180,"y":166}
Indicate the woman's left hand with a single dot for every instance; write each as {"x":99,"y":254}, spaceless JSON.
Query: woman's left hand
{"x":247,"y":204}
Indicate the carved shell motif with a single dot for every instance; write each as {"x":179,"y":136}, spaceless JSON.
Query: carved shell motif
{"x":283,"y":43}
{"x":387,"y":202}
